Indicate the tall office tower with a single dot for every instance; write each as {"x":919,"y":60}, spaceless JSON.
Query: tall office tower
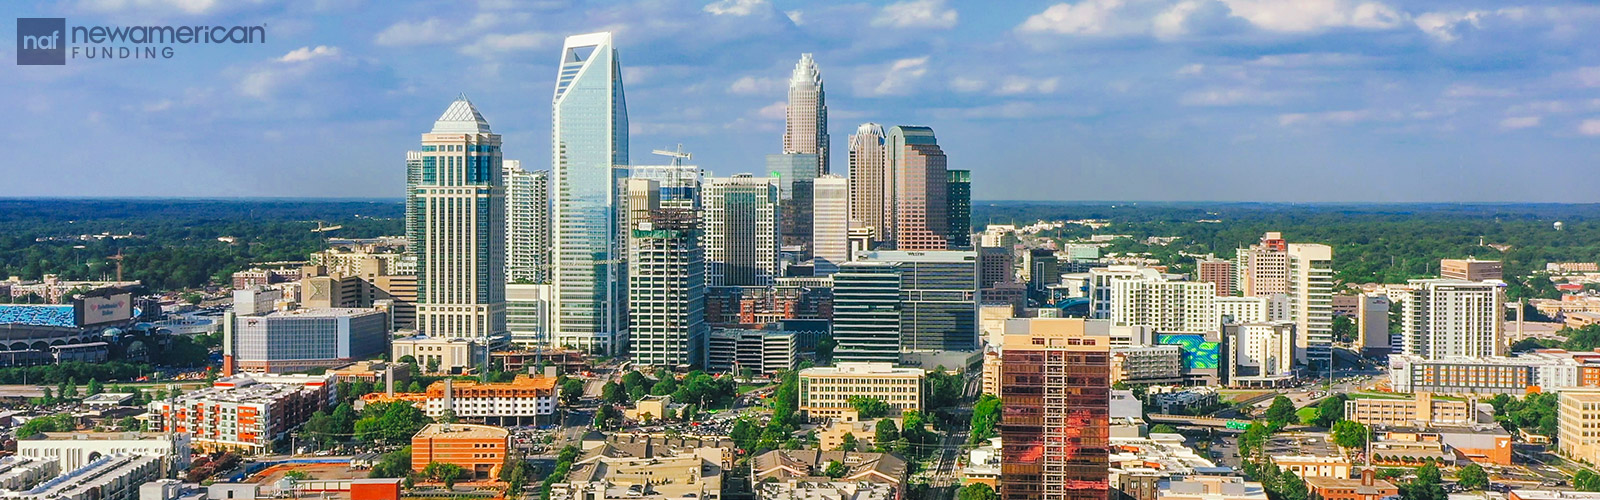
{"x":666,"y":290}
{"x":921,"y":213}
{"x":866,"y":312}
{"x":741,"y":230}
{"x":1470,"y":269}
{"x":1044,"y":269}
{"x":796,"y":174}
{"x":806,"y":124}
{"x":461,"y":286}
{"x":870,"y":192}
{"x":830,"y":224}
{"x":1219,"y":272}
{"x":1372,"y":325}
{"x":680,"y":184}
{"x":995,"y":267}
{"x":414,"y":219}
{"x":1055,"y":384}
{"x":1264,"y":267}
{"x":958,"y":199}
{"x":1166,"y":306}
{"x":527,"y":223}
{"x":938,"y":298}
{"x":1445,"y":318}
{"x":1311,"y":300}
{"x":589,"y":140}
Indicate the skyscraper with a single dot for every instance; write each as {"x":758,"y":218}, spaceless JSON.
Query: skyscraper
{"x":869,"y":189}
{"x":1445,"y":318}
{"x":461,"y":285}
{"x":414,"y":219}
{"x":741,"y":230}
{"x":666,"y":290}
{"x":796,"y":174}
{"x":866,"y":312}
{"x":589,"y":140}
{"x":1220,"y":272}
{"x":958,"y":199}
{"x":938,"y":298}
{"x":527,"y":224}
{"x":921,"y":213}
{"x":1055,"y":384}
{"x":1311,"y":300}
{"x":830,"y":223}
{"x":680,"y":184}
{"x":806,"y":122}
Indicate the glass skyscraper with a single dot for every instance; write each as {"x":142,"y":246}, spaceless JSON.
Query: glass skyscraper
{"x":589,"y":146}
{"x":460,"y":195}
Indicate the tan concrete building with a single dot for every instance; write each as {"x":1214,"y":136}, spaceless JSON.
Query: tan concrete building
{"x":1470,"y":269}
{"x":825,"y":392}
{"x":1309,"y":466}
{"x":1578,"y":425}
{"x":1421,"y":411}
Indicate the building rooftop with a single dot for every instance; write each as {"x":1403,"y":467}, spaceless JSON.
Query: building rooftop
{"x":883,"y":467}
{"x":817,"y":490}
{"x":462,"y":431}
{"x":1163,"y":453}
{"x":323,"y":312}
{"x":1335,"y":483}
{"x":862,"y":368}
{"x":461,"y":118}
{"x":37,"y":315}
{"x":108,"y":398}
{"x":98,"y":436}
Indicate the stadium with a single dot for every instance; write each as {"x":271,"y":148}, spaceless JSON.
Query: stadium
{"x":45,"y":334}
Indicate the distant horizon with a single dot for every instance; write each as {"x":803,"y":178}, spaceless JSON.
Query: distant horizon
{"x":974,"y":201}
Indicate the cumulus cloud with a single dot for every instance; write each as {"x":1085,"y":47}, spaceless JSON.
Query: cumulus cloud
{"x":1192,"y":69}
{"x":184,"y":6}
{"x":1299,"y":16}
{"x":964,"y":84}
{"x":1232,"y":96}
{"x":1589,"y":76}
{"x":736,"y":7}
{"x":1174,"y":18}
{"x":795,"y":16}
{"x":496,"y":43}
{"x":775,"y":111}
{"x":307,"y":53}
{"x":1088,"y":17}
{"x":1013,"y":85}
{"x":1443,"y":25}
{"x":1589,"y":127}
{"x":902,"y":74}
{"x":917,"y":14}
{"x":1519,"y":122}
{"x":750,"y":85}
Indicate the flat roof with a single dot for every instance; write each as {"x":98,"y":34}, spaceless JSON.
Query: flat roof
{"x":462,"y":431}
{"x":37,"y":315}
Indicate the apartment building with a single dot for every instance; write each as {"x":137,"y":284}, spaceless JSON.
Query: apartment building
{"x":243,"y":413}
{"x":825,"y":392}
{"x":524,"y":400}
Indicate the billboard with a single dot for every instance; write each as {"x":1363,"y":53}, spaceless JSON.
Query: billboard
{"x":103,"y":306}
{"x":1198,"y":353}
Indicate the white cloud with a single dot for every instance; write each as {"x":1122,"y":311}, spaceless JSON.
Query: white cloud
{"x":736,"y":7}
{"x":307,"y":53}
{"x":497,"y":43}
{"x":1171,"y":22}
{"x":1013,"y":85}
{"x":775,"y":111}
{"x":1462,"y":90}
{"x":795,"y":16}
{"x":1589,"y":127}
{"x":1343,"y":117}
{"x":901,"y":76}
{"x":1192,"y":69}
{"x":1443,"y":25}
{"x":161,"y":105}
{"x":1088,"y":17}
{"x":1589,"y":76}
{"x":750,"y":85}
{"x":1519,"y":122}
{"x":917,"y":14}
{"x":428,"y":31}
{"x":185,"y":6}
{"x":1300,"y":16}
{"x":964,"y":84}
{"x":1234,"y":96}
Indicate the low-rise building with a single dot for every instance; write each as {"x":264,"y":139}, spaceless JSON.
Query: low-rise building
{"x":1485,"y":444}
{"x":302,"y":339}
{"x":107,"y":400}
{"x":23,"y":472}
{"x":832,"y":436}
{"x":1366,"y":487}
{"x":983,"y":464}
{"x":480,"y":449}
{"x":1547,"y":370}
{"x":648,"y":408}
{"x":1309,"y":466}
{"x":1170,"y":400}
{"x":1423,"y":410}
{"x":731,"y":350}
{"x":1153,"y":364}
{"x":524,"y":400}
{"x":1139,"y":465}
{"x":115,"y":477}
{"x":73,"y":450}
{"x":438,"y":354}
{"x":811,"y":465}
{"x":825,"y":392}
{"x":818,"y":490}
{"x":687,"y":477}
{"x":1211,"y":488}
{"x":243,"y":413}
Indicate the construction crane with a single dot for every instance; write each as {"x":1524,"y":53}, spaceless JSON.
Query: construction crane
{"x":323,"y":229}
{"x":118,"y":258}
{"x":677,"y":156}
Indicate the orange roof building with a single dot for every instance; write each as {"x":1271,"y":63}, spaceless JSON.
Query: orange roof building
{"x":524,"y":400}
{"x":480,"y":449}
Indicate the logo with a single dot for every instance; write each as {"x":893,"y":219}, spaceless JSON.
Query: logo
{"x":41,"y":41}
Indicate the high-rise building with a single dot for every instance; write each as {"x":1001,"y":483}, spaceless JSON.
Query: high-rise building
{"x":527,"y":224}
{"x":1445,"y":318}
{"x":1263,"y":268}
{"x":1577,"y":417}
{"x":461,"y":283}
{"x":528,"y":314}
{"x":921,"y":218}
{"x":958,"y":199}
{"x":1055,"y":384}
{"x":1166,"y":306}
{"x":1311,"y":300}
{"x":938,"y":298}
{"x":869,"y":182}
{"x":1219,"y":272}
{"x":830,"y":226}
{"x":666,"y":290}
{"x":866,"y":312}
{"x":1372,"y":325}
{"x":1470,"y":269}
{"x":415,"y":223}
{"x":741,"y":230}
{"x":995,"y":267}
{"x":796,"y":175}
{"x":589,"y":141}
{"x":806,"y":123}
{"x":680,"y":184}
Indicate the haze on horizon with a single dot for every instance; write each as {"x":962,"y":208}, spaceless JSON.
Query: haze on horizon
{"x":1159,"y":100}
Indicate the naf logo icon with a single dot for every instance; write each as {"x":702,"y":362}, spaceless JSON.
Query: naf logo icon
{"x":41,"y":41}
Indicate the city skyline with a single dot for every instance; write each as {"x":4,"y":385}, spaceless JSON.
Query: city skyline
{"x":1427,"y":98}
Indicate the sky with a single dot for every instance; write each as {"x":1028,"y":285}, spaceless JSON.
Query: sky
{"x":1147,"y":100}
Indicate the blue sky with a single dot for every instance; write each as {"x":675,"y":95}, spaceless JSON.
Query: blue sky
{"x":1253,"y":100}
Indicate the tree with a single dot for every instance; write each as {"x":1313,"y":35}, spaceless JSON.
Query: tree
{"x":944,"y":390}
{"x":392,"y":423}
{"x":666,"y":386}
{"x":414,"y":387}
{"x":1350,"y":434}
{"x":884,"y":433}
{"x":1281,"y":411}
{"x":95,"y":387}
{"x":1472,"y":477}
{"x":446,"y":473}
{"x":976,"y":491}
{"x":571,"y":391}
{"x":834,"y":470}
{"x":1344,"y":329}
{"x":1585,"y":480}
{"x":433,"y":364}
{"x":393,"y":464}
{"x":613,"y":393}
{"x":1330,"y":410}
{"x":849,"y":443}
{"x":1163,"y":429}
{"x":193,"y":298}
{"x":690,"y":412}
{"x":869,"y":408}
{"x":744,"y":434}
{"x":985,"y":416}
{"x":1427,"y":486}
